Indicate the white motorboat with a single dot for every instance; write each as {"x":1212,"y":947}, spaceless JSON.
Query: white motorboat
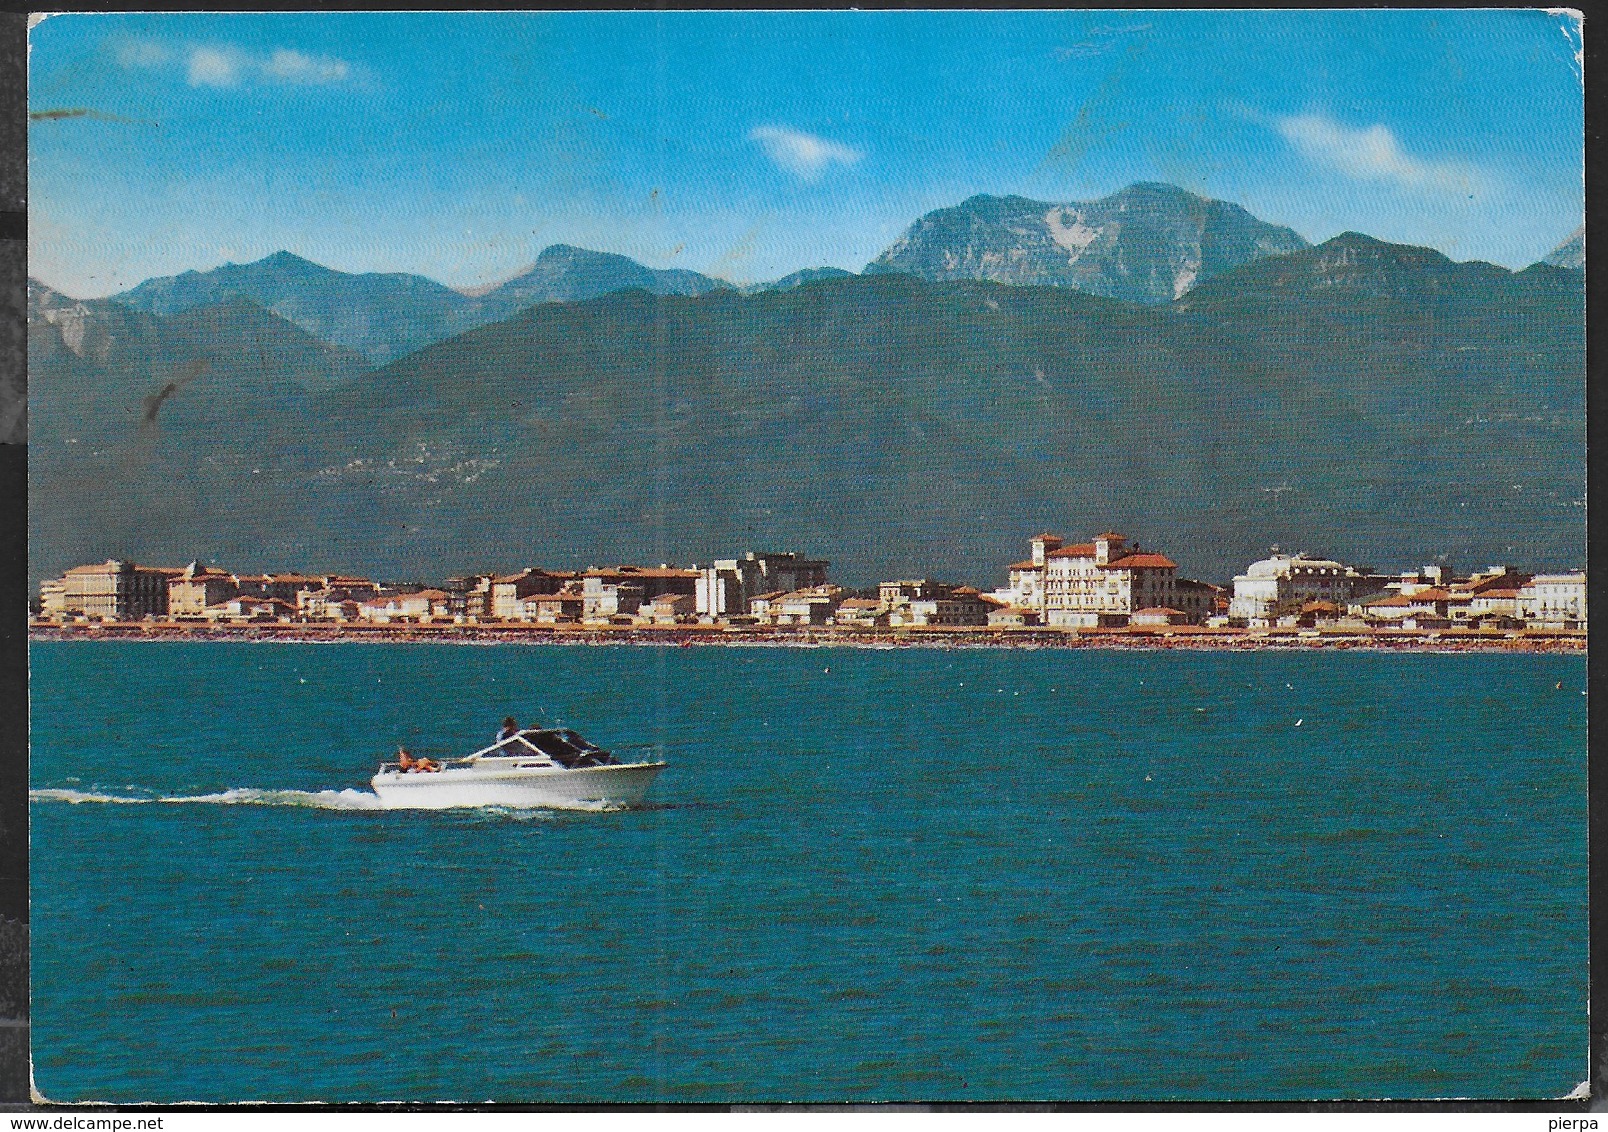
{"x":550,"y":767}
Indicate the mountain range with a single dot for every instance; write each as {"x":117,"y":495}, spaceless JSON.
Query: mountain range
{"x":1148,"y":243}
{"x":384,"y":316}
{"x":1366,"y":399}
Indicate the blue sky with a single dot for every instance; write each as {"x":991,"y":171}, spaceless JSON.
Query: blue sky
{"x":751,"y":144}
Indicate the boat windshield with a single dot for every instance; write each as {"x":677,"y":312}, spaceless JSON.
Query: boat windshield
{"x":551,"y":744}
{"x":514,"y":747}
{"x":576,"y":741}
{"x":566,"y":748}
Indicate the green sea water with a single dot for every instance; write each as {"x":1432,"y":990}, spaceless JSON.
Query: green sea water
{"x":915,"y":874}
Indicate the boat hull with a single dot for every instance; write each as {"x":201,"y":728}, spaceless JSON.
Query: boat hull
{"x":585,"y":788}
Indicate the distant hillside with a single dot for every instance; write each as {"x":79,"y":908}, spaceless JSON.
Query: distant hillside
{"x":563,"y":274}
{"x":798,"y":279}
{"x":1362,"y":399}
{"x":1149,"y":243}
{"x":141,"y":424}
{"x":383,"y":317}
{"x":379,"y":316}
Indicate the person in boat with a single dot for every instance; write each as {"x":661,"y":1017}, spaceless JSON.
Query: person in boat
{"x":509,"y":730}
{"x":410,"y":765}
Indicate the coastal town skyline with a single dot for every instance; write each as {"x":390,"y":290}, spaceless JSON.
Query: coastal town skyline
{"x":770,"y":170}
{"x":1107,"y":582}
{"x":312,"y":566}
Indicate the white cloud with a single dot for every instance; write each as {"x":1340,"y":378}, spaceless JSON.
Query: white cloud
{"x":1372,"y":153}
{"x":224,"y":65}
{"x":142,"y":53}
{"x":213,"y":66}
{"x":294,"y":67}
{"x":804,"y":155}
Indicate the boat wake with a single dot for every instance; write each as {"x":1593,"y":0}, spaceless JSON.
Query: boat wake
{"x":239,"y":796}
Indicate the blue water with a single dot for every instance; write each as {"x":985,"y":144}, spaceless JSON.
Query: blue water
{"x":869,"y":875}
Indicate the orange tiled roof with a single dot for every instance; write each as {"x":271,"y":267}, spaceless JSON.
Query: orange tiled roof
{"x":639,"y":572}
{"x":1142,"y":562}
{"x":1081,"y":550}
{"x":251,"y":599}
{"x":1397,"y":601}
{"x":525,"y":573}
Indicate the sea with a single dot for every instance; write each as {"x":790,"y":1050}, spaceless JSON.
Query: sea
{"x":914,"y":874}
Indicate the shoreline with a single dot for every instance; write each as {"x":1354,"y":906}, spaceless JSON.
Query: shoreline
{"x":1176,"y":637}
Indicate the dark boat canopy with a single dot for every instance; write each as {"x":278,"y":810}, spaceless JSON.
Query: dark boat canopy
{"x":563,"y":746}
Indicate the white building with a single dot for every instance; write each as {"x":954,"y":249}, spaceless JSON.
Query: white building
{"x":565,"y":607}
{"x":1026,"y":586}
{"x":762,"y":607}
{"x":942,"y":605}
{"x":618,"y":591}
{"x":249,"y":607}
{"x":727,"y":587}
{"x":509,"y":591}
{"x":116,"y":590}
{"x":329,"y":605}
{"x":668,"y":609}
{"x":419,"y":605}
{"x":813,"y":606}
{"x":602,"y":599}
{"x":53,"y":599}
{"x":1423,"y":608}
{"x":1091,"y":584}
{"x":861,"y":613}
{"x":197,"y":587}
{"x":1282,"y":584}
{"x":1553,"y":601}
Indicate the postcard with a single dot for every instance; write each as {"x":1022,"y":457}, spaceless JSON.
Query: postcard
{"x":749,"y":558}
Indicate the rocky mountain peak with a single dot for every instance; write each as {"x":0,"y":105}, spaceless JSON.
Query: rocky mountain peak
{"x":565,"y":273}
{"x":1571,"y":253}
{"x":1150,"y":242}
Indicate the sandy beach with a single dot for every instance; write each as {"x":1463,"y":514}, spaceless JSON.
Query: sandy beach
{"x":1178,"y":637}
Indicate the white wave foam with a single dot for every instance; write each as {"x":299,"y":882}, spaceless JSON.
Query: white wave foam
{"x":76,"y":796}
{"x":240,"y":796}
